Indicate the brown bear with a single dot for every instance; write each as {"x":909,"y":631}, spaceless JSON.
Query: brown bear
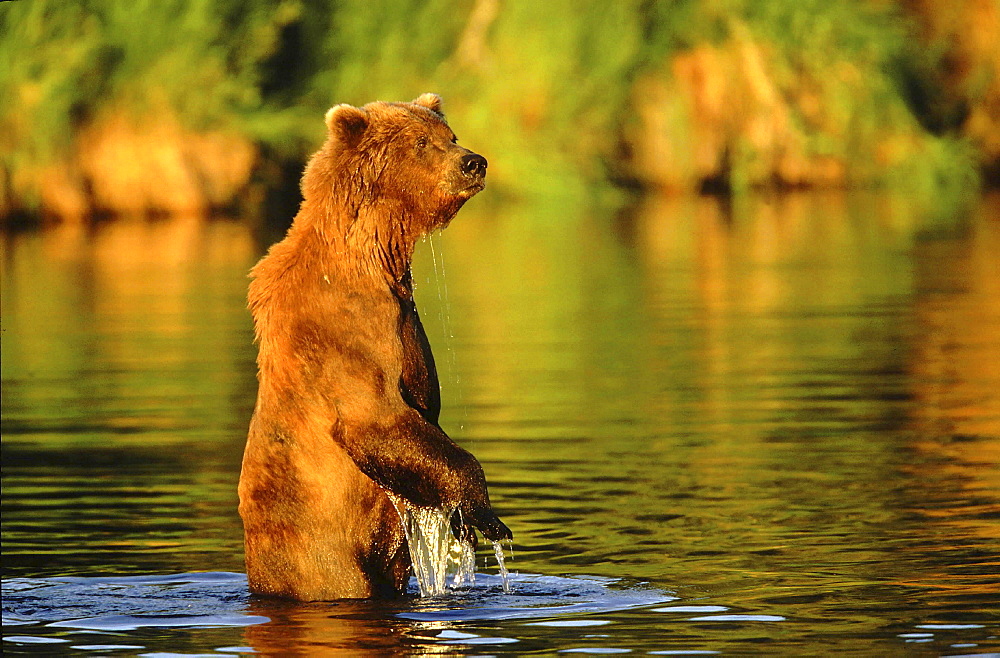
{"x":348,"y":400}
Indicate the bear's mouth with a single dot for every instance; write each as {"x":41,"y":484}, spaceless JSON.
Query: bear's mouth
{"x":472,"y":189}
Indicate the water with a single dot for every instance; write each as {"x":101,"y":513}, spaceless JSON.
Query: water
{"x":769,"y":428}
{"x":437,"y":554}
{"x":435,"y":551}
{"x":206,"y":611}
{"x":501,"y":564}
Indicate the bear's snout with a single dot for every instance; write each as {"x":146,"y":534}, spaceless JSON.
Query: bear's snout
{"x":473,"y":164}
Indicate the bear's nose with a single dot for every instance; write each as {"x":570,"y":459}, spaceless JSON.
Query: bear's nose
{"x":473,"y":165}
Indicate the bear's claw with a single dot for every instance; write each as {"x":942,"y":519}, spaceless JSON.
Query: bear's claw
{"x":490,"y":525}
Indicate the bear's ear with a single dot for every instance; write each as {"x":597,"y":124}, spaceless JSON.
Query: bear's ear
{"x":431,"y":101}
{"x":347,"y":122}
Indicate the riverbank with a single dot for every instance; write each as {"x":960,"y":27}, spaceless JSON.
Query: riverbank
{"x":198,"y":107}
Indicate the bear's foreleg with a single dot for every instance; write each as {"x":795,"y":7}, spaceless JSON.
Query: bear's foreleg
{"x":416,"y":460}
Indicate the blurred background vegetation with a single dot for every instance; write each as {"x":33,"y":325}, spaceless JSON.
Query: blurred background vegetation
{"x":155,"y":106}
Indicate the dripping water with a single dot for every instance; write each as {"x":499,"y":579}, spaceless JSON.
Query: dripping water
{"x":504,"y":574}
{"x":442,"y":287}
{"x":440,"y":560}
{"x":444,"y":316}
{"x":435,"y":553}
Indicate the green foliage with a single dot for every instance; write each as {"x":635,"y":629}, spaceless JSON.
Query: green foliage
{"x":381,"y":49}
{"x":836,"y":65}
{"x":54,"y":65}
{"x":542,"y":88}
{"x":68,"y":61}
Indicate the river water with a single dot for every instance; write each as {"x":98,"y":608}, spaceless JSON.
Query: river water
{"x":765,"y":427}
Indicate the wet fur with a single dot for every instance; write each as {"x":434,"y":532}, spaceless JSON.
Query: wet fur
{"x":348,"y":399}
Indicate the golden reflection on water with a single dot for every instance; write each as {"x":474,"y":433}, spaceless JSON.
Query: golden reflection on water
{"x":131,"y":307}
{"x":805,"y":360}
{"x":128,"y":378}
{"x":956,"y":384}
{"x":802,"y":274}
{"x":306,"y":629}
{"x":757,"y":404}
{"x":957,"y":309}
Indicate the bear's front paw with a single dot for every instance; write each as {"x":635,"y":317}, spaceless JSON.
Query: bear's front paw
{"x":489,"y":524}
{"x":464,"y":532}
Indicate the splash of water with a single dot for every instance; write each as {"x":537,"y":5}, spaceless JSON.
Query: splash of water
{"x":435,"y":553}
{"x":440,"y":561}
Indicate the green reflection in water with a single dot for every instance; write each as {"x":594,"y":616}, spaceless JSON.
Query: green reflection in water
{"x":127,"y":381}
{"x":787,"y":407}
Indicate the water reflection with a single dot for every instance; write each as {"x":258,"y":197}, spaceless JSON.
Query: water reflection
{"x":954,"y":476}
{"x":783,"y":408}
{"x":127,"y":381}
{"x":750,"y":384}
{"x":468,"y":619}
{"x":73,"y":609}
{"x":347,"y":628}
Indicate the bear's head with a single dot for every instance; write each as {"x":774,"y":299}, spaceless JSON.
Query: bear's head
{"x":395,"y":162}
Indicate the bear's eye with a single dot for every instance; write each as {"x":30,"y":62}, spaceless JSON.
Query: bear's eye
{"x":422,"y":142}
